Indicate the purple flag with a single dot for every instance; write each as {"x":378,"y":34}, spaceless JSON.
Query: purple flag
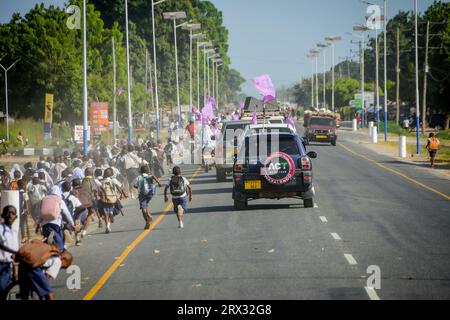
{"x":241,"y":105}
{"x":265,"y":87}
{"x":234,"y":116}
{"x":212,"y":102}
{"x":120,"y":91}
{"x":254,"y":118}
{"x":290,"y":121}
{"x":207,"y":111}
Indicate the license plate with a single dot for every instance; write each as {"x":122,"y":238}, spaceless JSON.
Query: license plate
{"x":321,"y":137}
{"x":252,"y":185}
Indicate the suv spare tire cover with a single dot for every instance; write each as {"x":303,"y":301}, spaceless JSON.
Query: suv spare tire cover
{"x":278,"y":169}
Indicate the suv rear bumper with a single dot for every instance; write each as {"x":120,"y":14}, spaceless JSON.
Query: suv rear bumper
{"x":295,"y":189}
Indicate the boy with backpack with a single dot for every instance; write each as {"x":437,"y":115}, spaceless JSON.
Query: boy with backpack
{"x":110,"y":193}
{"x":53,"y":208}
{"x":74,"y":206}
{"x":168,"y":149}
{"x":179,"y":189}
{"x":145,"y":184}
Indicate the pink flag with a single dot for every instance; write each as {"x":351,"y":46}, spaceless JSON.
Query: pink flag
{"x":265,"y":87}
{"x":234,"y":116}
{"x":212,"y":101}
{"x":254,"y":118}
{"x":241,"y":105}
{"x":290,"y":121}
{"x":207,"y":111}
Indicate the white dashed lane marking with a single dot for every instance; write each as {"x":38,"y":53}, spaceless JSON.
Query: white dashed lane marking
{"x":323,"y":219}
{"x":350,"y":259}
{"x":336,"y":236}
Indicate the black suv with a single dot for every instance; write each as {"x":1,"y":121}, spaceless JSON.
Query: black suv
{"x":285,"y":171}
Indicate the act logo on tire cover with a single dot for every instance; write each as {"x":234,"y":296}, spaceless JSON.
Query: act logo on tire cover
{"x":279,"y":168}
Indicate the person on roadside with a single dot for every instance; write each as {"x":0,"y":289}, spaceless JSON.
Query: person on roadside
{"x":146,"y":185}
{"x":9,"y":242}
{"x":179,"y":189}
{"x":432,"y":147}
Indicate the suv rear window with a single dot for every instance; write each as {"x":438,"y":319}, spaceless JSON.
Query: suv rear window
{"x":287,"y":144}
{"x":328,"y":122}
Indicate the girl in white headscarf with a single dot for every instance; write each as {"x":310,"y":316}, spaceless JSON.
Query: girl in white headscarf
{"x":15,"y":167}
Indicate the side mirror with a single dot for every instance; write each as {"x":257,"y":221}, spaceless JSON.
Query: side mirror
{"x":312,"y":155}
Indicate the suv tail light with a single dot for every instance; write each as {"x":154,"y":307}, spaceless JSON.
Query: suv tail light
{"x":305,"y":163}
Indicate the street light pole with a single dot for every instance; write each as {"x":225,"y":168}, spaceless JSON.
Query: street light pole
{"x":417,"y":81}
{"x":332,"y":39}
{"x":158,"y":126}
{"x":191,"y":28}
{"x":114,"y":91}
{"x":174,"y":16}
{"x":130,"y":117}
{"x":85,"y":92}
{"x":324,"y":46}
{"x":385,"y":74}
{"x":6,"y":96}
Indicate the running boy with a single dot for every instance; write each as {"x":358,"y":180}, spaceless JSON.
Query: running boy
{"x":145,"y":184}
{"x":179,"y":189}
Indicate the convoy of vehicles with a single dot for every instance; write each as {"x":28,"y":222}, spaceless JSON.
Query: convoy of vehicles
{"x":268,"y":159}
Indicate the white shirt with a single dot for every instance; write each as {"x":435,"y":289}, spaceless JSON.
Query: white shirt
{"x":75,"y":201}
{"x":9,"y":238}
{"x":186,"y":183}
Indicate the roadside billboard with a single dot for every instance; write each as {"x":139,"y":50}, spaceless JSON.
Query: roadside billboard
{"x":78,"y":134}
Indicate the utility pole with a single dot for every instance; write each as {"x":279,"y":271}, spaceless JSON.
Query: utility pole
{"x":385,"y":74}
{"x":425,"y":78}
{"x":398,"y":77}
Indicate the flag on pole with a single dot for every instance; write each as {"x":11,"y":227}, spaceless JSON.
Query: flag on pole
{"x":265,"y":87}
{"x":120,"y":91}
{"x":241,"y":105}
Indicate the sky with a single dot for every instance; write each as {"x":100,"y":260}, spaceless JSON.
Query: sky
{"x":274,"y":36}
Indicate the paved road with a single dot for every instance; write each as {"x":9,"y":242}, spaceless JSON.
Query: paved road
{"x":365,"y":215}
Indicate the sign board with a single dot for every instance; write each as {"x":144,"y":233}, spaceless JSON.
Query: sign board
{"x":185,"y":108}
{"x":78,"y":134}
{"x":99,"y":117}
{"x":48,"y":113}
{"x":368,"y":97}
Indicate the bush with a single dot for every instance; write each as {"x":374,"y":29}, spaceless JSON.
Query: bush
{"x":443,"y":135}
{"x":393,"y":128}
{"x":34,"y":131}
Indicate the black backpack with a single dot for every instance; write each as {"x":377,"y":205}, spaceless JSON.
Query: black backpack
{"x":69,"y":203}
{"x":177,"y":187}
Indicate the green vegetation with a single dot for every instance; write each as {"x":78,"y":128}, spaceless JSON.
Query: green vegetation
{"x":51,"y":57}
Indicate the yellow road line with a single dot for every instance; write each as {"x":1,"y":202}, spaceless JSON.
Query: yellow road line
{"x":447,"y":197}
{"x":128,"y":250}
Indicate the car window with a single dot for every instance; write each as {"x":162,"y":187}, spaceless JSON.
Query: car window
{"x":286,"y":144}
{"x":322,"y":122}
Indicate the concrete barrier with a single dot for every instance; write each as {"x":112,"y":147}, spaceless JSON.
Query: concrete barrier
{"x":370,"y":128}
{"x":374,"y":135}
{"x":402,"y":147}
{"x":354,"y":125}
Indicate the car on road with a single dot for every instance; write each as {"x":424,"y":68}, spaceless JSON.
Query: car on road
{"x":321,"y":128}
{"x":285,"y":171}
{"x":231,"y":133}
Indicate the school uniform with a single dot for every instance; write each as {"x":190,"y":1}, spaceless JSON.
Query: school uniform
{"x":10,"y":239}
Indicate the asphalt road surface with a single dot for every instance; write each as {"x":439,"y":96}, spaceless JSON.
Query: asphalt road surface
{"x":370,"y":211}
